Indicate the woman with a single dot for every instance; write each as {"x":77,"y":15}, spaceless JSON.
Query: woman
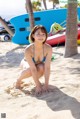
{"x":38,"y":55}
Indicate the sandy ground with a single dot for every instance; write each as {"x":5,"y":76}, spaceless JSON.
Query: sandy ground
{"x":62,"y":103}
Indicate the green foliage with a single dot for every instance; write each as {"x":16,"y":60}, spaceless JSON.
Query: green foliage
{"x":52,"y":59}
{"x":36,"y":5}
{"x":79,"y":4}
{"x":54,"y":1}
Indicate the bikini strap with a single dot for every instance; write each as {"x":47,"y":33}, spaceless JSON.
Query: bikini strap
{"x":33,"y":51}
{"x":43,"y":51}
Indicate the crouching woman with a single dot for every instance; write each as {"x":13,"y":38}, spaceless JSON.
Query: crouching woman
{"x":38,"y":57}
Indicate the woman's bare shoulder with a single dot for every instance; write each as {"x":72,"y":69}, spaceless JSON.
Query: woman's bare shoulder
{"x":47,"y":46}
{"x":28,"y":51}
{"x":28,"y":48}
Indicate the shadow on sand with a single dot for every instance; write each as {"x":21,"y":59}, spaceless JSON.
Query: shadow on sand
{"x":58,"y":100}
{"x":11,"y":57}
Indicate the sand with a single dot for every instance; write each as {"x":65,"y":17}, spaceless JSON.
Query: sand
{"x":62,"y":103}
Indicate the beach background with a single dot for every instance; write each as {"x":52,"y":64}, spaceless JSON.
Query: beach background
{"x":10,"y":9}
{"x":63,"y":102}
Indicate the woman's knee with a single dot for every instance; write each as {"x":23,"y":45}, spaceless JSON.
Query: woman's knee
{"x":40,"y":68}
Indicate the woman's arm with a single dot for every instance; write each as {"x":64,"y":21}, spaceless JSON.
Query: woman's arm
{"x":47,"y":66}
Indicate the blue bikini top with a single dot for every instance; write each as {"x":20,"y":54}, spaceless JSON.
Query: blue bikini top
{"x":44,"y":58}
{"x":33,"y":58}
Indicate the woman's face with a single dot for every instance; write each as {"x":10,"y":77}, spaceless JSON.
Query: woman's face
{"x":39,"y":36}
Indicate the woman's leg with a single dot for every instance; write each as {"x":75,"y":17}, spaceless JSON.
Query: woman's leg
{"x":27,"y":73}
{"x":24,"y":74}
{"x":40,"y":70}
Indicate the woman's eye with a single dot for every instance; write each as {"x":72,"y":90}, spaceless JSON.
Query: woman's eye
{"x":40,"y":34}
{"x":43,"y":34}
{"x":37,"y":34}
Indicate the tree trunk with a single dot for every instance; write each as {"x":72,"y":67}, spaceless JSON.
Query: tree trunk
{"x":30,"y":12}
{"x":45,"y":6}
{"x":71,"y":30}
{"x":6,"y":27}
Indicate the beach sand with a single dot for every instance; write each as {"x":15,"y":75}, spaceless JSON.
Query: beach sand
{"x":62,"y":103}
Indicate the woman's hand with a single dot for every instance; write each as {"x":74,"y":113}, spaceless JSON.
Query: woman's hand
{"x":38,"y":90}
{"x":45,"y":88}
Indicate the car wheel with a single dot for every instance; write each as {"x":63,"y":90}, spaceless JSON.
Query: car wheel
{"x":6,"y":37}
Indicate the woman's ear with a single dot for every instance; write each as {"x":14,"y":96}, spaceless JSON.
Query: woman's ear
{"x":33,"y":35}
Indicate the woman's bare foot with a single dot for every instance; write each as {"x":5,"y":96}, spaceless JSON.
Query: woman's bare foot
{"x":18,"y":85}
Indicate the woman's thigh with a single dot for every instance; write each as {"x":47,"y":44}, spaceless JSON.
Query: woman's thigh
{"x":27,"y":71}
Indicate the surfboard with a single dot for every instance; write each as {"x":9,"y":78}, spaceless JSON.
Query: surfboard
{"x":45,"y":18}
{"x":60,"y":38}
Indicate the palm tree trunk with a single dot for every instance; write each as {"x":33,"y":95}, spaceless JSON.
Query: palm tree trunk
{"x":71,"y":30}
{"x":44,"y":2}
{"x":6,"y":27}
{"x":30,"y":12}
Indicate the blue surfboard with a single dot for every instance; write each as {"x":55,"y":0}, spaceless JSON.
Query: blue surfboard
{"x":45,"y":18}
